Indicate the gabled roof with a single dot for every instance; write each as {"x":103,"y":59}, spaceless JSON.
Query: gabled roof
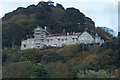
{"x":86,"y":32}
{"x":59,"y":34}
{"x":40,"y":28}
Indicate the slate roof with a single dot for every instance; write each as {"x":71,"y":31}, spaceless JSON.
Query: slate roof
{"x":64,"y":34}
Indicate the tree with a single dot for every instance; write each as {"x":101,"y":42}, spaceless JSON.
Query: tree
{"x":53,"y":57}
{"x":4,"y":57}
{"x":75,"y":16}
{"x":59,"y":6}
{"x":102,"y":61}
{"x":12,"y":35}
{"x":59,"y":70}
{"x":115,"y":59}
{"x":40,"y":71}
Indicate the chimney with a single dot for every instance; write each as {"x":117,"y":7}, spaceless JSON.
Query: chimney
{"x":45,"y":28}
{"x":64,"y":31}
{"x":67,"y":33}
{"x":73,"y":33}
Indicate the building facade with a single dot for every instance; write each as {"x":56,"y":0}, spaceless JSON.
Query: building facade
{"x":42,"y":38}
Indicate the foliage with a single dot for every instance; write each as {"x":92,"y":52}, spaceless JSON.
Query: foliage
{"x":4,"y":58}
{"x":40,"y":71}
{"x":33,"y":55}
{"x":10,"y":55}
{"x":103,"y":34}
{"x":59,"y":70}
{"x":72,"y":50}
{"x":113,"y":53}
{"x":10,"y":34}
{"x":18,"y":70}
{"x":59,"y":6}
{"x":47,"y":47}
{"x":115,"y":59}
{"x":94,"y":74}
{"x":53,"y":57}
{"x":55,"y":62}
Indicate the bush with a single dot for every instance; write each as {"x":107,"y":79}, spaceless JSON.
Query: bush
{"x":53,"y":57}
{"x":4,"y":58}
{"x":72,"y":50}
{"x":18,"y":70}
{"x":38,"y":58}
{"x":40,"y":71}
{"x":94,"y":74}
{"x":115,"y":59}
{"x":32,"y":54}
{"x":11,"y":55}
{"x":59,"y":70}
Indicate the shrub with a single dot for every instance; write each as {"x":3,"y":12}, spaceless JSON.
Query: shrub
{"x":40,"y":71}
{"x":94,"y":74}
{"x":53,"y":57}
{"x":59,"y":70}
{"x":38,"y":58}
{"x":4,"y":58}
{"x":18,"y":70}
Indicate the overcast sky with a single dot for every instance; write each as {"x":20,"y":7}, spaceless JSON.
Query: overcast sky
{"x":102,"y":12}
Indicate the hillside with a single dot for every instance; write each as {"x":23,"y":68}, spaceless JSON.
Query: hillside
{"x":71,"y":61}
{"x":22,"y":21}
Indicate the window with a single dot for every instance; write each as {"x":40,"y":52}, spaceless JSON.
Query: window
{"x":77,"y":39}
{"x":38,"y":46}
{"x":55,"y":45}
{"x":48,"y":40}
{"x":63,"y":44}
{"x":37,"y":43}
{"x":42,"y":40}
{"x":58,"y":39}
{"x":24,"y":46}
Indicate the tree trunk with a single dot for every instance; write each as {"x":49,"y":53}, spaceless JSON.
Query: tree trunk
{"x":13,"y":43}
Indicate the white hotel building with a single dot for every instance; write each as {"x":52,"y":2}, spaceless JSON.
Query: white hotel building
{"x":42,"y":38}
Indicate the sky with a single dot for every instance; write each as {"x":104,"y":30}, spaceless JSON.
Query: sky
{"x":102,"y":12}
